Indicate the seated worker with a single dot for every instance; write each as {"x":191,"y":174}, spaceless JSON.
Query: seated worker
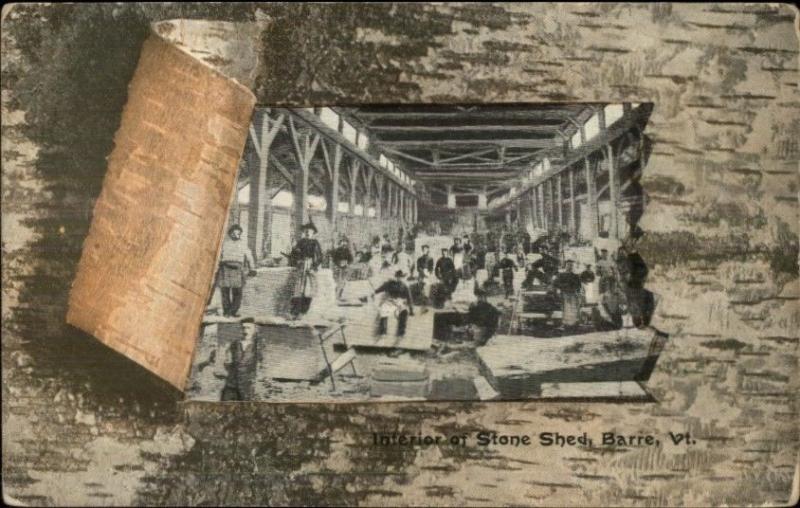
{"x":424,"y":264}
{"x":568,"y":284}
{"x":534,"y":276}
{"x":446,"y":272}
{"x":342,"y":258}
{"x":484,"y":317}
{"x":506,"y":267}
{"x":397,"y":302}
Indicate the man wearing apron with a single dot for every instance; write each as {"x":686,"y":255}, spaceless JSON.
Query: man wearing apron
{"x":342,"y":258}
{"x":397,"y":302}
{"x":307,"y":256}
{"x":231,"y":275}
{"x":569,"y":285}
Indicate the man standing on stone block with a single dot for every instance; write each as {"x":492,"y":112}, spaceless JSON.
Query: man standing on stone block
{"x":307,"y":256}
{"x":231,"y":275}
{"x":342,"y":258}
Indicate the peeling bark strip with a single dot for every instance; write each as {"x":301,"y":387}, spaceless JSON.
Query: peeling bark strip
{"x":148,"y":261}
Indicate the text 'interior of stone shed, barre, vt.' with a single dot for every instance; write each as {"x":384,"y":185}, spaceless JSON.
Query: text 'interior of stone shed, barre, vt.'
{"x":433,"y":252}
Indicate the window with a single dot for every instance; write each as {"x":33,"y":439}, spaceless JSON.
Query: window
{"x":613,"y":113}
{"x":343,"y":207}
{"x":576,"y":139}
{"x":349,"y":132}
{"x":330,"y":118}
{"x":537,"y":170}
{"x":358,"y":210}
{"x":371,"y":211}
{"x":546,"y":165}
{"x":592,"y":127}
{"x":383,"y":161}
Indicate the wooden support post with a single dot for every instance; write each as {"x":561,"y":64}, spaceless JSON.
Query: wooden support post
{"x":259,"y":211}
{"x":613,"y":191}
{"x":352,"y":171}
{"x":368,"y":174}
{"x":540,"y":202}
{"x":392,"y":188}
{"x":534,"y":211}
{"x":333,"y":161}
{"x":402,"y":205}
{"x":451,"y":198}
{"x":379,"y":180}
{"x":573,"y":220}
{"x":591,"y":198}
{"x":414,"y":215}
{"x":550,"y":206}
{"x":559,"y":203}
{"x":305,"y":145}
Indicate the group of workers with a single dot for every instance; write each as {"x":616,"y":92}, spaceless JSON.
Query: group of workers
{"x":615,"y":284}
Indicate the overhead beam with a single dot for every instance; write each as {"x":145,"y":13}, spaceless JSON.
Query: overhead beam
{"x":508,"y":143}
{"x":464,"y":128}
{"x":551,"y":114}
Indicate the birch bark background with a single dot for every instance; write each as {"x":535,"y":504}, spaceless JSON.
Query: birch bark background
{"x":83,"y":425}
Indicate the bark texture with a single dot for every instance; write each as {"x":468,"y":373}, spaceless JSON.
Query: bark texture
{"x":82,"y":425}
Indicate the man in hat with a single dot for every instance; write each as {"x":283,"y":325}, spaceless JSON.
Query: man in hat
{"x":568,"y":283}
{"x":307,"y":256}
{"x":397,"y":302}
{"x":342,"y":258}
{"x":240,"y":365}
{"x":231,"y":274}
{"x":506,"y":267}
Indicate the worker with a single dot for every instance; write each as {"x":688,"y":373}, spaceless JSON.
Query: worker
{"x":424,"y":264}
{"x":606,"y":270}
{"x":342,"y":258}
{"x":402,"y":260}
{"x":506,"y":267}
{"x":484,"y":318}
{"x":568,"y":284}
{"x":534,"y":276}
{"x":636,"y":295}
{"x":239,"y":364}
{"x":307,"y":256}
{"x":446,"y":272}
{"x":467,"y":245}
{"x":397,"y":302}
{"x":589,"y":285}
{"x":234,"y":257}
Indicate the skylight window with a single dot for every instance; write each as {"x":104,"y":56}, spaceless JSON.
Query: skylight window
{"x":363,"y":140}
{"x":349,"y":132}
{"x":330,"y":118}
{"x":613,"y":113}
{"x":592,"y":127}
{"x":576,"y":139}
